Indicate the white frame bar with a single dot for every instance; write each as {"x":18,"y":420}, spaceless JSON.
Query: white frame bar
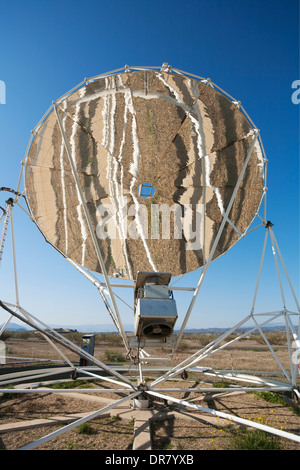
{"x":234,"y":418}
{"x":4,"y":229}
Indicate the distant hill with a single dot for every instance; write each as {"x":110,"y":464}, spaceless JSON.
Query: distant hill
{"x":239,"y":330}
{"x":15,"y":327}
{"x":107,"y":328}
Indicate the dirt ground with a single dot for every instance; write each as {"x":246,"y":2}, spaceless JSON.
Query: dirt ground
{"x":243,"y":355}
{"x":183,"y":429}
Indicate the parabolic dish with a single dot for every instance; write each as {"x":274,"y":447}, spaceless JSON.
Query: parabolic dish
{"x":145,"y":144}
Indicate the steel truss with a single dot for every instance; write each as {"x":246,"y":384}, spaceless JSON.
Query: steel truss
{"x":135,"y":390}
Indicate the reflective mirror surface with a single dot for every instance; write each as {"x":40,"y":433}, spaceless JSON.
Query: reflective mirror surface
{"x":158,"y":155}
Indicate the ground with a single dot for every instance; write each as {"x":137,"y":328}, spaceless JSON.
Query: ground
{"x":183,"y":429}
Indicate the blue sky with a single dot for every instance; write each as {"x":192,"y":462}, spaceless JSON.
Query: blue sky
{"x":250,"y":49}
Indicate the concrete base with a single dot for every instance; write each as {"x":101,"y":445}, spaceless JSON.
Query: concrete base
{"x":140,"y":404}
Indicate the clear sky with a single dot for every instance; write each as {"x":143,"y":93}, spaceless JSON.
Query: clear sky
{"x":249,"y":48}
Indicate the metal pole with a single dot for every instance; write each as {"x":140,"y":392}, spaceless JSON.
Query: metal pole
{"x":20,"y":377}
{"x":287,"y":329}
{"x":243,"y":377}
{"x":90,"y":226}
{"x":234,"y":418}
{"x":277,"y":269}
{"x":5,"y":324}
{"x":220,"y":390}
{"x":65,"y":390}
{"x":259,"y":271}
{"x":225,"y":217}
{"x":4,"y":230}
{"x":14,"y":255}
{"x":91,"y":374}
{"x":20,"y":177}
{"x":297,"y":344}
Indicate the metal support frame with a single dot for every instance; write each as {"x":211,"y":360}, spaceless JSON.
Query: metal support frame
{"x":55,"y":336}
{"x":217,"y":345}
{"x":289,"y":382}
